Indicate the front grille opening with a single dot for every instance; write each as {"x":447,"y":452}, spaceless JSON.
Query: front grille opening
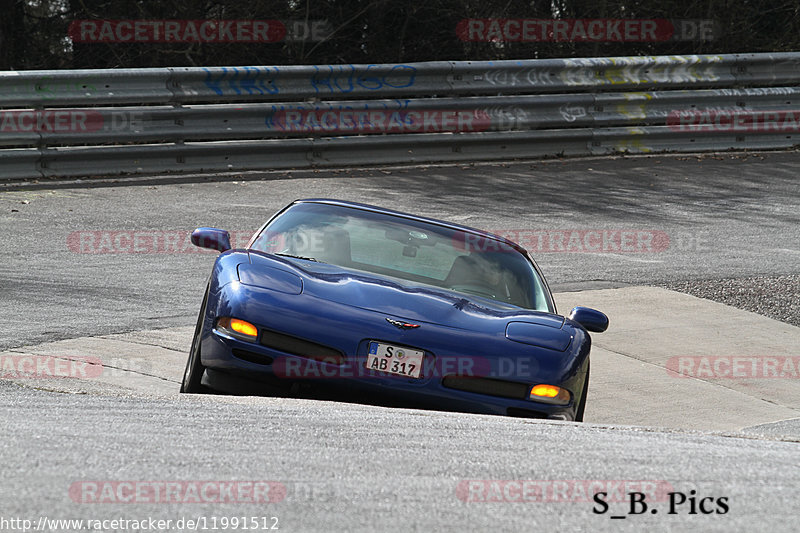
{"x":301,"y":347}
{"x":489,"y":386}
{"x":525,"y":413}
{"x":252,"y":357}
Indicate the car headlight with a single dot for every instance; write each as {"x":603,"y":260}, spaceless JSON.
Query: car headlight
{"x":235,"y":327}
{"x":549,"y":394}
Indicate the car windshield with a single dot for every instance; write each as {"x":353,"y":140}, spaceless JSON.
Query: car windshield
{"x":406,"y":249}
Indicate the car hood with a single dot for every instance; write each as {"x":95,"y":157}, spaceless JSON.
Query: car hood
{"x":409,"y":301}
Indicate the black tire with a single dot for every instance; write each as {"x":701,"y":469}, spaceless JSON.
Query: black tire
{"x":582,"y":405}
{"x":194,"y":368}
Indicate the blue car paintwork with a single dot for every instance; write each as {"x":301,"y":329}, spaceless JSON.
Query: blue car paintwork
{"x":345,"y":309}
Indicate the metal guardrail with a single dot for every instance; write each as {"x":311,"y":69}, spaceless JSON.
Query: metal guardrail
{"x":90,"y":122}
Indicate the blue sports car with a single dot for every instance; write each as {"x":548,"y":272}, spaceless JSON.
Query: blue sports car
{"x":339,"y":300}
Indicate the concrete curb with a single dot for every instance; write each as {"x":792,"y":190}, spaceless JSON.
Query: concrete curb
{"x":630,"y":382}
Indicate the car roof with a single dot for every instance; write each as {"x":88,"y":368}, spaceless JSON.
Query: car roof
{"x":377,"y":209}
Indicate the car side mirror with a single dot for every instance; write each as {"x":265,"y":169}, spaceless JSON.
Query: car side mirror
{"x":590,"y":319}
{"x":212,"y":238}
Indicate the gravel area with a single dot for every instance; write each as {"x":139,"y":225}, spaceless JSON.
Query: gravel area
{"x":777,"y":297}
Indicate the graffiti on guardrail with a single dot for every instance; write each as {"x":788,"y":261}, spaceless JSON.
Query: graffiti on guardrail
{"x":514,"y":78}
{"x":636,"y":70}
{"x":242,"y":80}
{"x":759,"y":91}
{"x":656,"y":105}
{"x":571,"y":113}
{"x":507,"y":118}
{"x":330,"y":79}
{"x":605,"y":71}
{"x":499,"y":30}
{"x":344,"y":79}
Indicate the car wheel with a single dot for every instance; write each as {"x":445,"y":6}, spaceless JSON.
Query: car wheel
{"x":194,"y":368}
{"x":582,"y":404}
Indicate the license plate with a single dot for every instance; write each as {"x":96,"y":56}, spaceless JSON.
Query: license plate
{"x":397,"y":360}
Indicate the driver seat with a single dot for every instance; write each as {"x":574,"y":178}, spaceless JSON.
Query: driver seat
{"x":465,"y":271}
{"x":336,"y":247}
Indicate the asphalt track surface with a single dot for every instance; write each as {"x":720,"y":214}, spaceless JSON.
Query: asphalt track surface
{"x":353,"y":467}
{"x":726,"y":216}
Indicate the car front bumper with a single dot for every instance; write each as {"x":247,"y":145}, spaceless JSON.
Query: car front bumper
{"x":239,"y":367}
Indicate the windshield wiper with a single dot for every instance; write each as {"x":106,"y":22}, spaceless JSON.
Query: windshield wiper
{"x":298,"y":257}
